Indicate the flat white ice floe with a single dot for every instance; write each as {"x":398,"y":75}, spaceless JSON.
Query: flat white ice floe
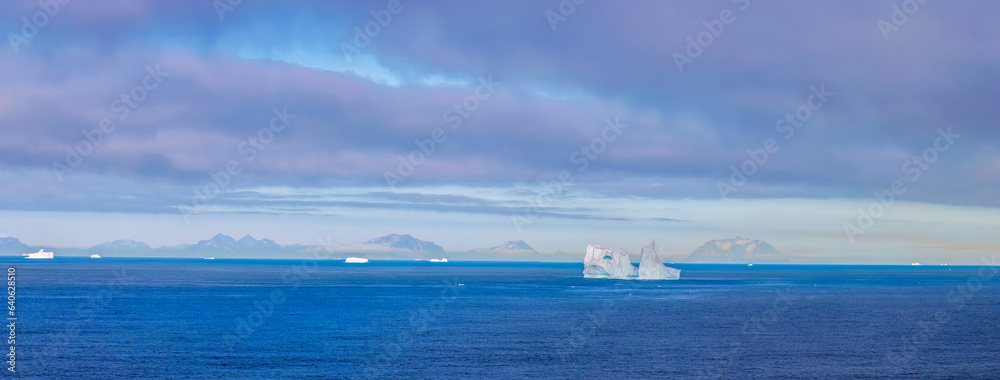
{"x":615,"y":263}
{"x":356,"y":260}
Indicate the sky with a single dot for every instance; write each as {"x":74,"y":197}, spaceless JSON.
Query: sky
{"x":840,"y":131}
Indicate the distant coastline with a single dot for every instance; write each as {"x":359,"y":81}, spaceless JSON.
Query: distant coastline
{"x":405,"y":247}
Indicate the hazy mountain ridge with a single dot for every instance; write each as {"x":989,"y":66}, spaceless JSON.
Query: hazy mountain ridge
{"x":513,"y":250}
{"x":220,"y":245}
{"x":11,"y":246}
{"x":225,"y":246}
{"x":395,"y":247}
{"x":736,"y":251}
{"x":507,"y":251}
{"x":406,"y":242}
{"x":120,"y":246}
{"x":226,"y":243}
{"x":511,"y":245}
{"x":389,"y":247}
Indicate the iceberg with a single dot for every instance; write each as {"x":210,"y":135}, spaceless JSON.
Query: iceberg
{"x":651,"y":268}
{"x":603,"y":262}
{"x":615,"y":263}
{"x":41,"y":254}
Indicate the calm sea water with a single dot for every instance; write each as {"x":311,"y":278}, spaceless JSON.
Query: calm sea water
{"x":251,"y":319}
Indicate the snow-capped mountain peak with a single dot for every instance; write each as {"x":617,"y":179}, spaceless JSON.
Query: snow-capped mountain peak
{"x":737,"y":250}
{"x":513,"y":245}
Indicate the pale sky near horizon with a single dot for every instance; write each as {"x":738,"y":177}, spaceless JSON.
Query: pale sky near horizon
{"x":668,"y":120}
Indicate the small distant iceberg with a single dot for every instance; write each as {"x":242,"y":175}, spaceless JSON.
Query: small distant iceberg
{"x":41,"y":254}
{"x":95,"y":256}
{"x":615,"y":263}
{"x":356,"y":260}
{"x":444,"y":260}
{"x":210,"y":258}
{"x":915,"y":263}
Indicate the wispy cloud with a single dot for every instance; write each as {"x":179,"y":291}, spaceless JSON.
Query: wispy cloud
{"x":357,"y":116}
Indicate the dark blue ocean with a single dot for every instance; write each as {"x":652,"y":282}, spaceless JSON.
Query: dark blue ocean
{"x":254,"y":319}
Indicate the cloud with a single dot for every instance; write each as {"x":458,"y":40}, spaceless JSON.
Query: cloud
{"x":356,"y":118}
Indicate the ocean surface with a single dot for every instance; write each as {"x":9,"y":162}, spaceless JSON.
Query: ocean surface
{"x":282,"y":319}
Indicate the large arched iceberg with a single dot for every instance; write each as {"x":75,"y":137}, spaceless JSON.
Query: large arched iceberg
{"x":601,"y":262}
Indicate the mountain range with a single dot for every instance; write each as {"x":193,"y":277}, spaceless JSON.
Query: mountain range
{"x":515,"y":250}
{"x":388,"y":247}
{"x":736,"y":251}
{"x":10,"y":246}
{"x":220,"y":245}
{"x":396,"y":247}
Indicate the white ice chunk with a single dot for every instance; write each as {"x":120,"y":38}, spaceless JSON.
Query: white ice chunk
{"x":603,"y":262}
{"x":651,"y":268}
